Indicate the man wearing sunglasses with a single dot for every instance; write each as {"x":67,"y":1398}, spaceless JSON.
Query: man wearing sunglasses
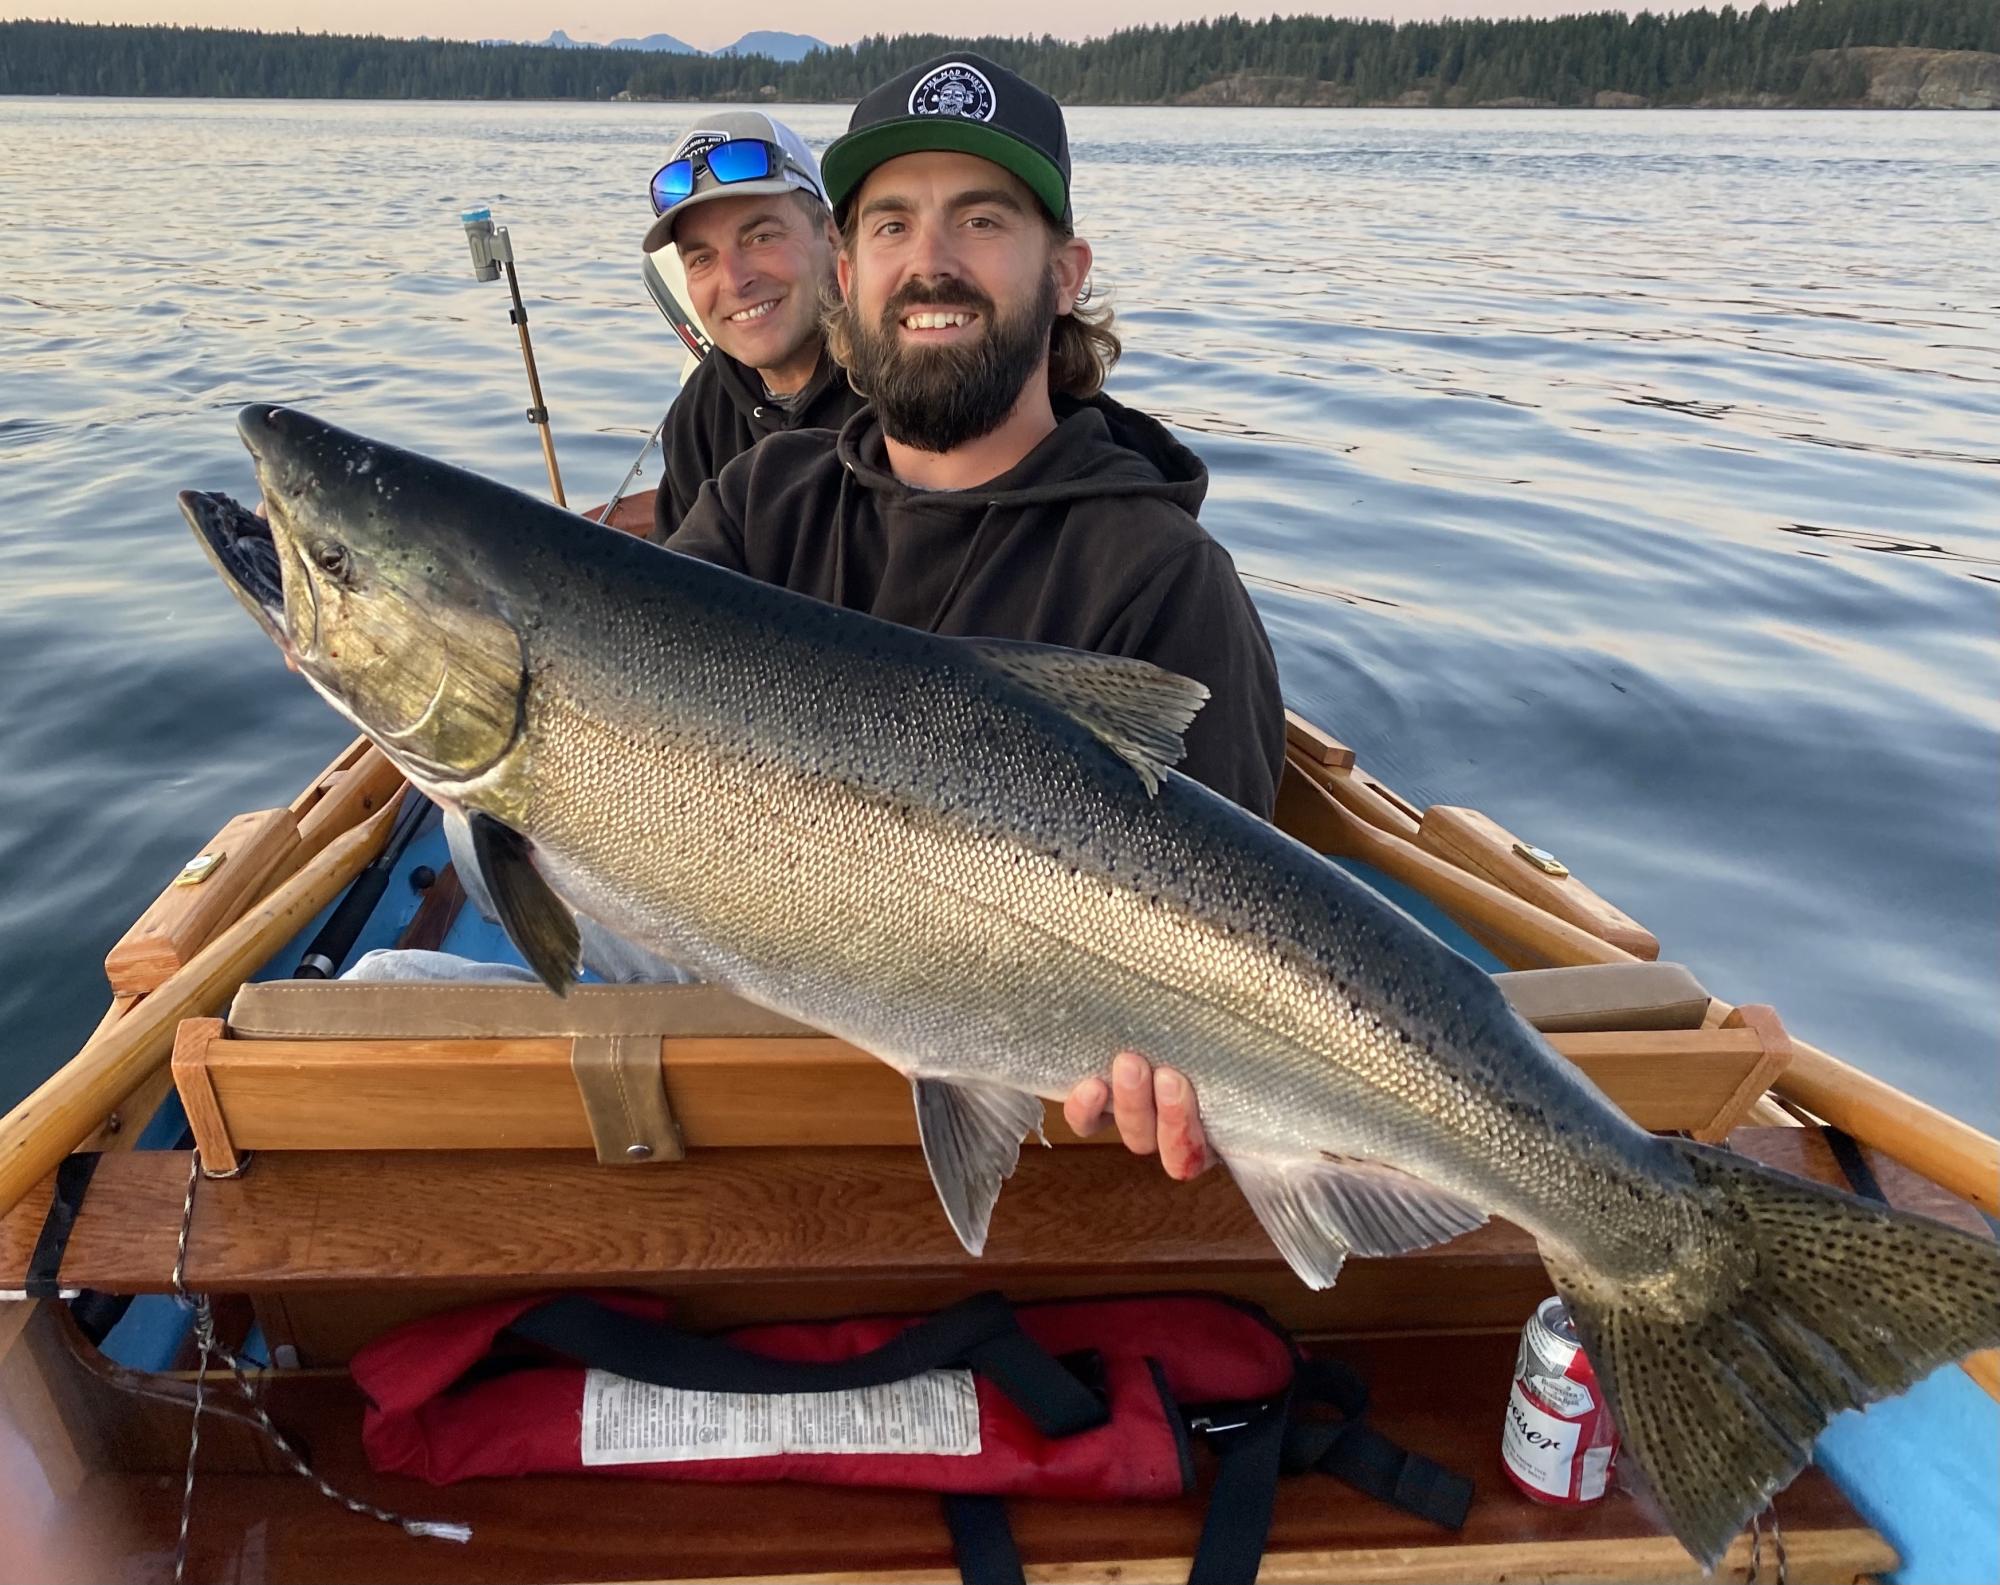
{"x":742,"y":202}
{"x":990,"y":489}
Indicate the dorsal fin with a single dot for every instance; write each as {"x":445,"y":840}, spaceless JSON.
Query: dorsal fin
{"x":1136,"y":709}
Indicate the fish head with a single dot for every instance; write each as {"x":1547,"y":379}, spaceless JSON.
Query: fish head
{"x":369,"y":572}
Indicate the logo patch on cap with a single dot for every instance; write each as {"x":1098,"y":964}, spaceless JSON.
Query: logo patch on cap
{"x":699,"y":143}
{"x":956,"y":90}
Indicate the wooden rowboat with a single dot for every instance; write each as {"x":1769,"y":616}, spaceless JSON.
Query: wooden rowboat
{"x":408,"y":1149}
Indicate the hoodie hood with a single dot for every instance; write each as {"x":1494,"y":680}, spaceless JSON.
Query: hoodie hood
{"x":1099,"y":449}
{"x":744,"y":387}
{"x":1090,"y":541}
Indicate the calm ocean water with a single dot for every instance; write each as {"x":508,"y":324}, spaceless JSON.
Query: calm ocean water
{"x":1634,"y":477}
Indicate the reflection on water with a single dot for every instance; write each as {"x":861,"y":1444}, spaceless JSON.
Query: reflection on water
{"x":1633,"y":478}
{"x":1888,"y":545}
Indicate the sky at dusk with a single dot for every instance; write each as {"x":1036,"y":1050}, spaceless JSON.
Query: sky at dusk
{"x":709,"y":27}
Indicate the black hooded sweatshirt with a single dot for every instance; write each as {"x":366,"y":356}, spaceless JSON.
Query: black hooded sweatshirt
{"x":1089,"y":541}
{"x":722,"y":412}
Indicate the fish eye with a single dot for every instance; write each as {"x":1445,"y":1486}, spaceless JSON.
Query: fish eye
{"x":333,"y":560}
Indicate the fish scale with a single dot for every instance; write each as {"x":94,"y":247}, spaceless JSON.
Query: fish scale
{"x":971,"y":859}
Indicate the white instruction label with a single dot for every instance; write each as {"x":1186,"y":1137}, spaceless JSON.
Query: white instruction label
{"x":1537,"y":1446}
{"x":631,"y":1422}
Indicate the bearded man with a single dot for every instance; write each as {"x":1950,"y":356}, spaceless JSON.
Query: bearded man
{"x":990,"y":489}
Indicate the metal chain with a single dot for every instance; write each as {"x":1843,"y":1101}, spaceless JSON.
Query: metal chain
{"x":212,"y":1347}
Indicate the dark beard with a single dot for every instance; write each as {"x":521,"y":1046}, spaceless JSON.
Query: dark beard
{"x":937,"y":398}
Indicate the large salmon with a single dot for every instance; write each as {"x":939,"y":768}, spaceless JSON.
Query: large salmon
{"x":974,"y":860}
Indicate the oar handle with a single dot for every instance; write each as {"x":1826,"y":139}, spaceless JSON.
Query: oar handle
{"x":1952,"y":1154}
{"x":58,"y":1116}
{"x":1323,"y":822}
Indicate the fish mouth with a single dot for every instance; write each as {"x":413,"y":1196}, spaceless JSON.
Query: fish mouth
{"x":244,"y":551}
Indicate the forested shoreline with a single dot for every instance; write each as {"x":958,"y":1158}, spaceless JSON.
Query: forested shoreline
{"x":1813,"y":52}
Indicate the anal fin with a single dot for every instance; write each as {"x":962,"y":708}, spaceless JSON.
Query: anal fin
{"x":541,"y":927}
{"x":1318,"y":1211}
{"x":972,"y":1135}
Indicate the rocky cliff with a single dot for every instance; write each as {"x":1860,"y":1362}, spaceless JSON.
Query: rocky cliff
{"x":1907,"y":79}
{"x":1870,"y":77}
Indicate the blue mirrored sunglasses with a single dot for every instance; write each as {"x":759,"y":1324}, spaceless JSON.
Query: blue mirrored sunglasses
{"x":737,"y":160}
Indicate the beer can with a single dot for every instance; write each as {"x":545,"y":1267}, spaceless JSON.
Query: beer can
{"x":1559,"y":1442}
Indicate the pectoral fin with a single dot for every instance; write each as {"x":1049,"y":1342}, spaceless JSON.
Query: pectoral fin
{"x":1319,"y":1211}
{"x":972,"y":1135}
{"x":542,"y":929}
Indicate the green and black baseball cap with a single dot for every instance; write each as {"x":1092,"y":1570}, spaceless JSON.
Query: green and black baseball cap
{"x":963,"y":103}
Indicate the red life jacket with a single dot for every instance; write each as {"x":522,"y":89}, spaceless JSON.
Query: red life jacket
{"x":1073,"y":1399}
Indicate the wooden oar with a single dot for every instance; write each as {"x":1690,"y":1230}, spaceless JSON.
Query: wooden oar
{"x":1322,"y":821}
{"x":51,"y":1122}
{"x":1950,"y":1153}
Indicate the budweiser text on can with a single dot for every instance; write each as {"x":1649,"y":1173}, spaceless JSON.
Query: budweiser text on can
{"x":1559,"y":1442}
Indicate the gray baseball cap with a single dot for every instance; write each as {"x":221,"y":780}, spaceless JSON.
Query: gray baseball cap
{"x":797,"y":170}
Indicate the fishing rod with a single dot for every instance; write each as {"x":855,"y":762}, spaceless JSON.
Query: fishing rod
{"x":336,"y":938}
{"x":693,"y":337}
{"x":631,"y":473}
{"x":493,"y":252}
{"x":686,"y":326}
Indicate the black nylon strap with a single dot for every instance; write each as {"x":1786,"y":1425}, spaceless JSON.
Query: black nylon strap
{"x":980,"y":1332}
{"x":45,"y":1263}
{"x":1351,"y":1450}
{"x":1860,"y":1176}
{"x":1354,"y":1451}
{"x":1240,"y":1504}
{"x":1270,"y":1440}
{"x":982,"y":1540}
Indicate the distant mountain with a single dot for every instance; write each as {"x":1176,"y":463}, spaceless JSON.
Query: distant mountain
{"x":664,"y":43}
{"x":777,"y":46}
{"x":655,"y":41}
